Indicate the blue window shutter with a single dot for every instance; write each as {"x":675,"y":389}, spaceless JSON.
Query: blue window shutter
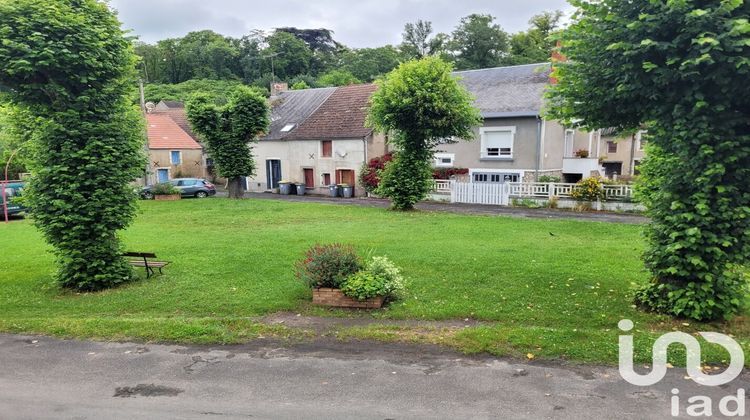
{"x":175,"y":155}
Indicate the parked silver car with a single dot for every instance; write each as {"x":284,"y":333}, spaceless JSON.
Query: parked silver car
{"x":189,"y":187}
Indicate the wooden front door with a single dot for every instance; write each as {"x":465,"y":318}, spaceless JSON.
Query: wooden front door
{"x":345,"y":176}
{"x":309,"y":178}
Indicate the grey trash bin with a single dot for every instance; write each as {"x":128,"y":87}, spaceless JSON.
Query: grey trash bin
{"x":347,"y":191}
{"x":301,"y":188}
{"x":285,"y":188}
{"x":333,"y":190}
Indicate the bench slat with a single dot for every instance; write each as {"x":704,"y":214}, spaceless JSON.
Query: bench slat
{"x":140,"y":254}
{"x":156,"y":264}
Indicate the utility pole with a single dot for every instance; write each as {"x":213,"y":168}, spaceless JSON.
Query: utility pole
{"x":147,"y":169}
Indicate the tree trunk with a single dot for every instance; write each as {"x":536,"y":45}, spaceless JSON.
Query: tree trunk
{"x":236,"y":187}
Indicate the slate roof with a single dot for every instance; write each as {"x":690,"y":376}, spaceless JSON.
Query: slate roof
{"x":293,"y":107}
{"x":507,"y":91}
{"x":164,"y":133}
{"x":341,"y":116}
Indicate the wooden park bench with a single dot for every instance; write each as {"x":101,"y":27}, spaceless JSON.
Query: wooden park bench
{"x":145,"y":262}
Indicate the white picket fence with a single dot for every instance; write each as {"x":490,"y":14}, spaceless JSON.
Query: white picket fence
{"x":480,"y":193}
{"x":501,"y":193}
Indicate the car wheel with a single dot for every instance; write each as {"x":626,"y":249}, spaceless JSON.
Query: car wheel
{"x":148,"y":196}
{"x":201,"y":194}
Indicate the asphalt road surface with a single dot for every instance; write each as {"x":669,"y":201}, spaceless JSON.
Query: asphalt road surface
{"x":46,"y":378}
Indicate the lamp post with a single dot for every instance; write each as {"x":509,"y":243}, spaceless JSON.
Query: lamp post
{"x":5,"y":182}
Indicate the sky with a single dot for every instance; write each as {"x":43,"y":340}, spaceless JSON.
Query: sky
{"x":356,"y":23}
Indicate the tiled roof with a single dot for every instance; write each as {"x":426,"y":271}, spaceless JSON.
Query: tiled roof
{"x":291,"y":108}
{"x":164,"y":133}
{"x":179,"y":116}
{"x":507,"y":91}
{"x":342,"y":115}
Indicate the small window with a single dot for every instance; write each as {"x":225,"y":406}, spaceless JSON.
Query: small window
{"x":326,"y":147}
{"x":444,"y":160}
{"x":611,"y":147}
{"x":326,"y":179}
{"x":287,"y":128}
{"x":175,"y":157}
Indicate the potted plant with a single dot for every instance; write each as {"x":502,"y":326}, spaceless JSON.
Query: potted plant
{"x":165,"y":192}
{"x":301,"y":187}
{"x":582,"y":153}
{"x":338,"y":278}
{"x":347,"y":191}
{"x":285,"y":187}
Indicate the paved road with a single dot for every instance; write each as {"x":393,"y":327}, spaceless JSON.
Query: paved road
{"x":45,"y":378}
{"x":477,"y":209}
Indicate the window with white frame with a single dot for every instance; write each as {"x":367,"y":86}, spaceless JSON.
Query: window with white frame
{"x":497,"y":142}
{"x":569,"y":139}
{"x":494,"y":177}
{"x":641,"y":141}
{"x":175,"y":157}
{"x":444,"y":160}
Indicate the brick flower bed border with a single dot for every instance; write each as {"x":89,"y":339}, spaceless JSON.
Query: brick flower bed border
{"x":170,"y":197}
{"x":334,"y":297}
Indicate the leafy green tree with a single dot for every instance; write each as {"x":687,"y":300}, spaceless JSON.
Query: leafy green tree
{"x":70,"y":66}
{"x":366,"y":64}
{"x":16,"y":134}
{"x":477,"y":42}
{"x":293,"y":56}
{"x":680,"y":68}
{"x":417,"y":42}
{"x":536,"y":44}
{"x":228,"y":130}
{"x":420,"y":104}
{"x":218,"y":89}
{"x":209,"y":55}
{"x":337,"y":78}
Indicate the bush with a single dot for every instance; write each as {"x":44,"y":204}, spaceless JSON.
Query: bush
{"x":369,"y":176}
{"x":588,"y":189}
{"x":582,"y":153}
{"x":406,"y":180}
{"x":447,"y":173}
{"x":549,"y":178}
{"x":165,"y":188}
{"x":327,"y":265}
{"x":364,"y":285}
{"x":380,"y":277}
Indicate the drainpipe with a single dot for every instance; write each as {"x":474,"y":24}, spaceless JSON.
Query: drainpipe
{"x":538,"y":148}
{"x":631,"y":170}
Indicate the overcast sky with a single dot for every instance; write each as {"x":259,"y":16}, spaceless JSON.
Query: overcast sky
{"x":356,"y":23}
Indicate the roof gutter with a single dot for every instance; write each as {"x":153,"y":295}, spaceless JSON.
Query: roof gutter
{"x":510,"y":114}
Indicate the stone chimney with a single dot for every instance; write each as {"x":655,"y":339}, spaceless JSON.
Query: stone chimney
{"x":278,"y":87}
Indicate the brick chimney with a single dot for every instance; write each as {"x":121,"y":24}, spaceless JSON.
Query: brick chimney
{"x":278,"y":87}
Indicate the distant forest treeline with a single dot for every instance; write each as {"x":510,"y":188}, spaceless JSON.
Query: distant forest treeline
{"x":174,"y":68}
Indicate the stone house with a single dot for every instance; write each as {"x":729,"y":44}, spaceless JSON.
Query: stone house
{"x":172,"y":152}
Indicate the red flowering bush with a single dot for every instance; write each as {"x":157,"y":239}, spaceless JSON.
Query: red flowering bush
{"x":447,"y":173}
{"x":369,"y":176}
{"x":327,"y":265}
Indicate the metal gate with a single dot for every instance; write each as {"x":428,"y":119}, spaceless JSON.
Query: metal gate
{"x":480,"y":193}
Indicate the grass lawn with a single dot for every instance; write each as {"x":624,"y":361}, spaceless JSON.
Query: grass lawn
{"x":552,"y":288}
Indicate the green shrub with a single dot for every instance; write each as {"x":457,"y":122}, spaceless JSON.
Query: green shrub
{"x":549,"y":178}
{"x":383,"y":267}
{"x":380,"y":277}
{"x":327,"y":265}
{"x":364,"y":285}
{"x":165,"y":188}
{"x":588,"y":189}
